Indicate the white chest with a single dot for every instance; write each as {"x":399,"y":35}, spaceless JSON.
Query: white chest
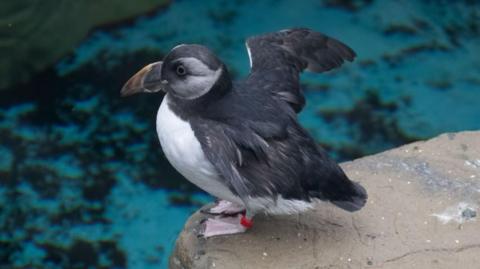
{"x":185,"y":153}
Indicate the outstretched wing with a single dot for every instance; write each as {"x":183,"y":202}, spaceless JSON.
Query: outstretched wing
{"x":276,"y":60}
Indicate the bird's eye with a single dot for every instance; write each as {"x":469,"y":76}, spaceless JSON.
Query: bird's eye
{"x":181,"y":71}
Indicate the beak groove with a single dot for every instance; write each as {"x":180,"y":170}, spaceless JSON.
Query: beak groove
{"x":148,"y":79}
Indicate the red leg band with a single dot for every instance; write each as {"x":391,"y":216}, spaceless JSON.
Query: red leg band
{"x":247,"y":223}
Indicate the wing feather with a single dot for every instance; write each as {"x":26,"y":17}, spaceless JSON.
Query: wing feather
{"x":276,"y":59}
{"x":291,"y":167}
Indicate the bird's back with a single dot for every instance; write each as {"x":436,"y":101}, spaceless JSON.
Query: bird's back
{"x":291,"y":165}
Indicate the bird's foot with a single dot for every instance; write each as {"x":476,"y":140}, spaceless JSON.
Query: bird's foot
{"x":226,"y":225}
{"x":224,"y":207}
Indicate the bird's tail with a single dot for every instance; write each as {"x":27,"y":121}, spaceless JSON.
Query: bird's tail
{"x":356,"y":201}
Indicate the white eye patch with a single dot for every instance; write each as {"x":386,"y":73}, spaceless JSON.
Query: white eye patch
{"x":199,"y":80}
{"x":196,"y":67}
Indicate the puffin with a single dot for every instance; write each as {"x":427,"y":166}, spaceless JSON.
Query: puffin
{"x":241,"y":140}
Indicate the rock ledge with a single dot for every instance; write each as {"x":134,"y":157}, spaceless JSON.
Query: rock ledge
{"x":421,"y":213}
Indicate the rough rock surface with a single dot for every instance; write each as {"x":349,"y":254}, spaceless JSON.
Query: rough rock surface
{"x":421,"y":213}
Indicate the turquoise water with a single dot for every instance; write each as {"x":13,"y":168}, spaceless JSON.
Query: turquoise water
{"x":84,"y":183}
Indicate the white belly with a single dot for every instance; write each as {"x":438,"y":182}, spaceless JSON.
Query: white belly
{"x":185,"y":153}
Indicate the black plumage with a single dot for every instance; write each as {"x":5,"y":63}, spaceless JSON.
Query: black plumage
{"x":249,"y":130}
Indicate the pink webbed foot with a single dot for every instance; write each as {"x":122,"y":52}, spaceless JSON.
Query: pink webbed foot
{"x":226,"y":225}
{"x":224,"y":207}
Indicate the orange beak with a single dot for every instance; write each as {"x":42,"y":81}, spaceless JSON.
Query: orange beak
{"x":148,"y":79}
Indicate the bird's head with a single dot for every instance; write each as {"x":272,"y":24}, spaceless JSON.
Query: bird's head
{"x":187,"y":72}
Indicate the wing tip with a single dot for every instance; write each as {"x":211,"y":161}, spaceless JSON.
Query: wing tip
{"x":341,"y":49}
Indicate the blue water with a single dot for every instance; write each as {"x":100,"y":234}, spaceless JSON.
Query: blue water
{"x":84,"y":183}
